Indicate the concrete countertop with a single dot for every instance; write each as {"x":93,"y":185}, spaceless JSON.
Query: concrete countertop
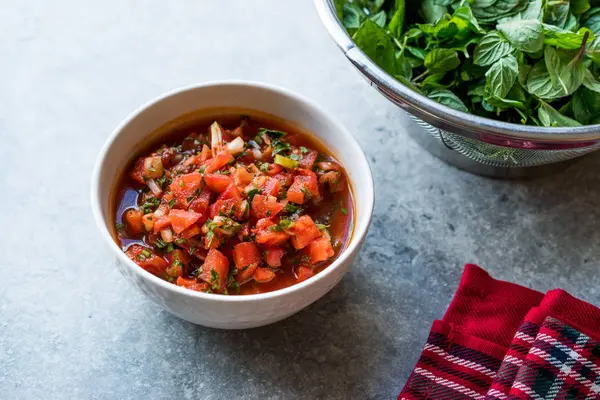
{"x":72,"y":328}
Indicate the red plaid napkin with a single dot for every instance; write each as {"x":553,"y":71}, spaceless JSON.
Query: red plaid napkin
{"x":468,"y":353}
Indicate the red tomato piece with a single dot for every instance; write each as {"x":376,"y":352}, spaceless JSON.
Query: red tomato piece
{"x":134,"y":221}
{"x":273,"y":257}
{"x":265,"y":206}
{"x":227,"y":208}
{"x":305,"y":231}
{"x":271,"y":186}
{"x":200,"y":203}
{"x":304,"y":186}
{"x":263,"y":275}
{"x":217,"y":182}
{"x":274,"y":169}
{"x":267,"y":236}
{"x":303,"y":273}
{"x":137,"y":172}
{"x":192,"y":231}
{"x":246,"y":253}
{"x":221,"y":160}
{"x":285,"y":178}
{"x":308,"y":159}
{"x":145,"y":258}
{"x":242,"y":178}
{"x":215,"y":269}
{"x":181,"y":220}
{"x":231,"y":192}
{"x":192,"y":284}
{"x":161,"y":223}
{"x":320,"y":250}
{"x":246,"y":273}
{"x":186,"y":186}
{"x":178,"y":261}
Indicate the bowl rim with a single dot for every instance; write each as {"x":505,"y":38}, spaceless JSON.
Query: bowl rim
{"x":442,"y":113}
{"x":353,"y":246}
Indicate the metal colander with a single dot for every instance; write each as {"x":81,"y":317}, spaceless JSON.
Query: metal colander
{"x":480,"y":145}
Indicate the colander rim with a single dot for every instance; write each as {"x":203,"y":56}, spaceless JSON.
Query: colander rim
{"x":446,"y":115}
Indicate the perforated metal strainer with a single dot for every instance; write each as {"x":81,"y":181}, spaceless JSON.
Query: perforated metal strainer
{"x":479,"y":145}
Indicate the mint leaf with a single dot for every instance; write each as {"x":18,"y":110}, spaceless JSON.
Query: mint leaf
{"x":491,"y":48}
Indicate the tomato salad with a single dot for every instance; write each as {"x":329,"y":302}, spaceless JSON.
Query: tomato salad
{"x":239,"y":206}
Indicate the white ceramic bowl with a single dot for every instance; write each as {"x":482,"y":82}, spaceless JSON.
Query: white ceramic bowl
{"x":213,"y":310}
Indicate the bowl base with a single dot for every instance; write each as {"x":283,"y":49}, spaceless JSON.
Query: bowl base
{"x":458,"y":160}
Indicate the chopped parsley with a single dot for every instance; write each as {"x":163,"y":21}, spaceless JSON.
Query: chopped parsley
{"x":251,"y":195}
{"x":295,"y":157}
{"x":264,"y":167}
{"x":202,"y":169}
{"x":150,"y":205}
{"x":214,"y":279}
{"x":280,"y":147}
{"x":181,"y":184}
{"x":291,"y":208}
{"x":303,"y":150}
{"x":146,"y":253}
{"x":160,"y":243}
{"x":271,"y":132}
{"x":286,"y":224}
{"x":344,"y":211}
{"x":169,"y":247}
{"x":179,"y":241}
{"x":171,"y":203}
{"x":307,"y":193}
{"x":275,"y":228}
{"x":119,"y":226}
{"x":323,"y":227}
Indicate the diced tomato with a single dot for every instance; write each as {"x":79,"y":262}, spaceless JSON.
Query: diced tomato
{"x":231,"y":192}
{"x":221,"y":160}
{"x":227,"y":207}
{"x":178,"y":261}
{"x":265,"y":206}
{"x":274,"y":169}
{"x":305,"y":184}
{"x":186,"y":186}
{"x":305,"y":231}
{"x":285,"y":178}
{"x":192,"y":284}
{"x":181,"y":220}
{"x":271,"y":186}
{"x":273,"y":256}
{"x":267,"y":236}
{"x":217,"y":182}
{"x":200,"y":203}
{"x":192,"y":231}
{"x":320,"y":250}
{"x":161,"y":223}
{"x":137,"y":172}
{"x":263,"y":275}
{"x":246,"y":273}
{"x":205,"y":154}
{"x":215,"y":269}
{"x":308,"y":160}
{"x":246,"y":253}
{"x":241,"y":177}
{"x":145,"y":258}
{"x":134,"y":221}
{"x":303,"y":273}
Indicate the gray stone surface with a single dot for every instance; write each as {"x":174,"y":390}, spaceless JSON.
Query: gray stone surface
{"x":71,"y":328}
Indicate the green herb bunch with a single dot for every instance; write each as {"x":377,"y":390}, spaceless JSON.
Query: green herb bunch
{"x":532,"y":62}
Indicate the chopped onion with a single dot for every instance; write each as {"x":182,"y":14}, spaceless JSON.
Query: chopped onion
{"x":254,"y":144}
{"x":148,"y":221}
{"x":160,"y":212}
{"x":236,"y":146}
{"x":156,"y":190}
{"x":167,"y":235}
{"x":257,"y":154}
{"x":216,"y":137}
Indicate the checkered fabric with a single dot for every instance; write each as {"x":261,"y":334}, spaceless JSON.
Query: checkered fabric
{"x":562,"y":363}
{"x":558,"y":304}
{"x":513,"y":360}
{"x":453,"y":367}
